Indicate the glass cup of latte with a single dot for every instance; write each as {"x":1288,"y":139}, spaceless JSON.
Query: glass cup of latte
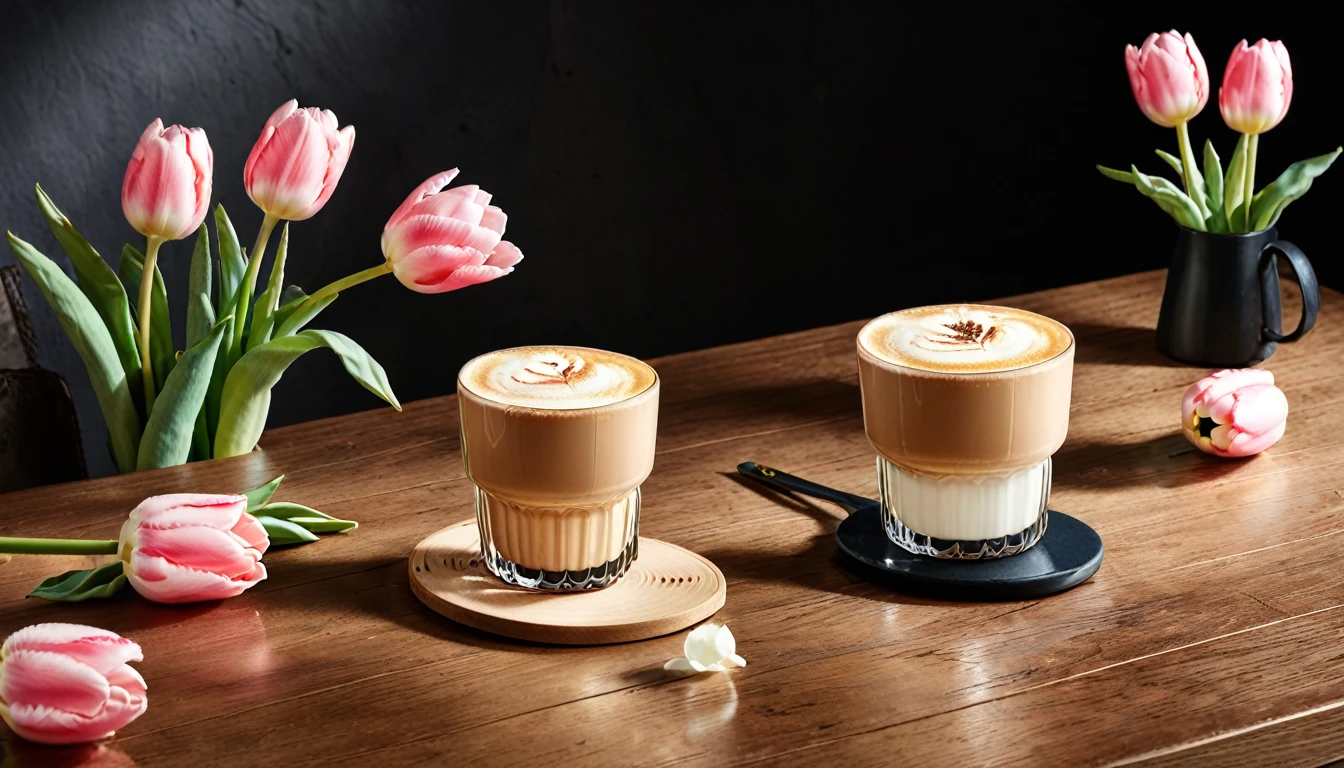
{"x":557,"y":441}
{"x":965,"y":404}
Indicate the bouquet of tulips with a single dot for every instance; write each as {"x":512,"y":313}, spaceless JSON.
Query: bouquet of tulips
{"x":163,"y":406}
{"x":1171,"y":85}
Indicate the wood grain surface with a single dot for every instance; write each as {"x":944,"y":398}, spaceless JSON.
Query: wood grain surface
{"x":1213,"y":634}
{"x":666,"y":589}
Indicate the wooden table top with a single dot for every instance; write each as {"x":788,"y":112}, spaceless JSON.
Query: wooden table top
{"x":1212,"y":635}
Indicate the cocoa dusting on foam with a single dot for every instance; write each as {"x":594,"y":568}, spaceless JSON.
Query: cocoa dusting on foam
{"x":557,"y":378}
{"x":969,"y":338}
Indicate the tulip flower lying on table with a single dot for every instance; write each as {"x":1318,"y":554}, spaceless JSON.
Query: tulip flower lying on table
{"x":1234,"y":413}
{"x":1171,"y":85}
{"x":68,"y":683}
{"x":163,"y":407}
{"x":184,"y":547}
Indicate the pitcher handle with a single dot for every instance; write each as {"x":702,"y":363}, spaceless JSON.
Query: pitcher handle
{"x":1306,"y":280}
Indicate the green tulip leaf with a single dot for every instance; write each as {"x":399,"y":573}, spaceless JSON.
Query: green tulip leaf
{"x":1292,"y":184}
{"x":100,"y":285}
{"x":284,"y":532}
{"x":232,"y":265}
{"x":1173,"y":161}
{"x":261,"y":495}
{"x":200,"y":319}
{"x":310,"y":519}
{"x":301,"y":315}
{"x":215,"y":392}
{"x":1169,"y":198}
{"x":91,"y":339}
{"x":200,"y":309}
{"x":263,"y":321}
{"x":247,"y":391}
{"x":1112,"y":173}
{"x":167,"y":441}
{"x":78,"y":586}
{"x":161,"y":351}
{"x":1213,"y":177}
{"x":1234,"y":188}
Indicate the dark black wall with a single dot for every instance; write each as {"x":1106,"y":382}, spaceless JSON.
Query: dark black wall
{"x":679,"y":175}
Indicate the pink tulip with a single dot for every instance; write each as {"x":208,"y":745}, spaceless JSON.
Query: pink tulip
{"x":1234,"y":413}
{"x":297,"y":160}
{"x":1169,"y":78}
{"x":166,"y":190}
{"x":441,"y":241}
{"x":68,"y":683}
{"x":1257,"y":87}
{"x":188,"y":547}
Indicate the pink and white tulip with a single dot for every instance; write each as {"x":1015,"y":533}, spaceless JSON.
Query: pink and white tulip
{"x":297,"y":161}
{"x":166,"y":190}
{"x":189,"y":547}
{"x":68,"y":683}
{"x":1169,"y":78}
{"x":1257,"y":87}
{"x":440,"y":241}
{"x":1234,"y":413}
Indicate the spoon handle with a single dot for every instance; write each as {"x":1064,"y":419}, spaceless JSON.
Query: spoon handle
{"x":786,"y":482}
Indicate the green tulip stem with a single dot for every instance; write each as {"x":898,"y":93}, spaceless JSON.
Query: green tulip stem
{"x":1252,"y":144}
{"x":1188,"y":163}
{"x":332,"y":289}
{"x":146,"y":307}
{"x":250,"y":281}
{"x":57,"y":546}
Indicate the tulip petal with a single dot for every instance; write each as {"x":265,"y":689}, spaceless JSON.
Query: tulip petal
{"x":505,"y":255}
{"x":159,"y":580}
{"x":128,"y":679}
{"x":434,"y":263}
{"x":461,"y":278}
{"x":252,"y":532}
{"x":429,"y":186}
{"x":176,"y":510}
{"x":201,"y":548}
{"x":680,"y":666}
{"x":1259,"y":409}
{"x":495,"y":219}
{"x":1249,"y":444}
{"x":48,"y":725}
{"x":340,"y":148}
{"x":287,"y":176}
{"x":98,"y":648}
{"x":423,"y":230}
{"x":43,"y":678}
{"x":159,"y":190}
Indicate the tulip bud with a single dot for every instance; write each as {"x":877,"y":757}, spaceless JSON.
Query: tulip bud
{"x":189,"y":547}
{"x":1234,"y":413}
{"x":1257,"y":87}
{"x":441,"y":241}
{"x":297,"y":161}
{"x":166,"y":190}
{"x":1169,"y":78}
{"x":68,"y":683}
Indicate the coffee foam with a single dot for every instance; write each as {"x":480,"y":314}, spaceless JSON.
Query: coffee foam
{"x":965,"y":338}
{"x":556,"y":378}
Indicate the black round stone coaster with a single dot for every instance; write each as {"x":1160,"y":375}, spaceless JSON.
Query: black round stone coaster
{"x":1066,"y":556}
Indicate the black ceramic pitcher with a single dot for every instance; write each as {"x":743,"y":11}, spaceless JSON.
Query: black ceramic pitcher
{"x":1221,"y":308}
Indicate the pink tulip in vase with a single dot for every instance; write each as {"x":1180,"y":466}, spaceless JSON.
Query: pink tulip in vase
{"x":165,"y":406}
{"x":1221,"y":307}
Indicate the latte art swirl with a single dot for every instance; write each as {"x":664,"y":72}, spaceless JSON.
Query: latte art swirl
{"x":967,"y":338}
{"x":556,"y":378}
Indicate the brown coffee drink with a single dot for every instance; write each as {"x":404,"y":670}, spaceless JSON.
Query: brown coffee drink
{"x":965,"y":404}
{"x":557,"y":441}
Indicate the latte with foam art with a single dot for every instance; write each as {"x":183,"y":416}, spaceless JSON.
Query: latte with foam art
{"x":966,"y":338}
{"x":557,"y":378}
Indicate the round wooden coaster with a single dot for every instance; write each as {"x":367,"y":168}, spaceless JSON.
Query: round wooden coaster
{"x":666,"y":589}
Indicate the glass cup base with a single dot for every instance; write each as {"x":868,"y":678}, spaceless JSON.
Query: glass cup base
{"x":946,"y":505}
{"x":542,"y":548}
